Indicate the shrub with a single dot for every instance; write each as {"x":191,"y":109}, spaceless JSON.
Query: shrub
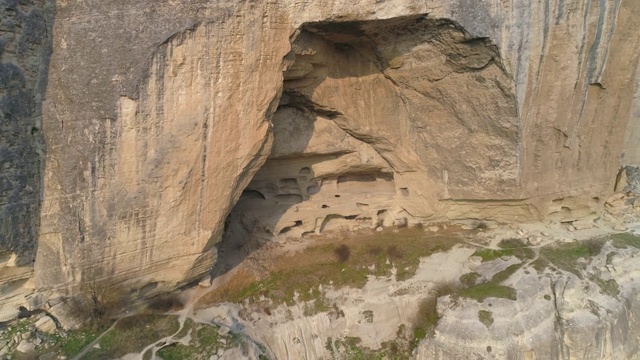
{"x":394,"y":252}
{"x":99,"y":303}
{"x":343,"y":253}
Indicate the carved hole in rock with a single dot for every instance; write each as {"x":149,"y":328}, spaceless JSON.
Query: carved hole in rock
{"x":288,"y":199}
{"x":253,"y":194}
{"x":356,"y":178}
{"x":289,"y":182}
{"x":288,"y":228}
{"x":362,"y":207}
{"x":344,"y":119}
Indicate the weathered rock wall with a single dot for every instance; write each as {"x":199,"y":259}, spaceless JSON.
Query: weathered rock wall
{"x":156,"y":118}
{"x":158,"y":173}
{"x":25,"y":47}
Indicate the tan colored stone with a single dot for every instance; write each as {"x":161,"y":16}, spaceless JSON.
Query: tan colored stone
{"x":490,"y":110}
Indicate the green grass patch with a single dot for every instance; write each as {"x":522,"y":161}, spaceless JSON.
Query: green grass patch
{"x":625,"y":240}
{"x":608,"y":287}
{"x":493,"y":254}
{"x":205,"y":341}
{"x":567,"y":256}
{"x":520,"y":249}
{"x":488,"y":290}
{"x":506,"y":273}
{"x":76,"y":340}
{"x":493,"y":288}
{"x":507,"y":247}
{"x":350,"y":348}
{"x":469,"y":279}
{"x":178,"y":352}
{"x":485,"y":317}
{"x":426,"y":319}
{"x":186,"y":328}
{"x":132,"y":334}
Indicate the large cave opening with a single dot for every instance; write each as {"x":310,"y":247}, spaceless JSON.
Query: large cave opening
{"x":379,"y":123}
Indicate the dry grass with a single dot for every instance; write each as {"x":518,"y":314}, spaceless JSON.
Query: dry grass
{"x":229,"y":290}
{"x":342,"y":260}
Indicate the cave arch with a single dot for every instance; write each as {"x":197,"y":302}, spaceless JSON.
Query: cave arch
{"x":378,"y":110}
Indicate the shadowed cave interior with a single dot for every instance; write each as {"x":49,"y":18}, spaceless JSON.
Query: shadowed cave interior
{"x":328,"y":169}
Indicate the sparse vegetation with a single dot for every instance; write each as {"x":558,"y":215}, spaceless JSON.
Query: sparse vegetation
{"x":492,"y":254}
{"x":349,"y":348}
{"x":485,"y":317}
{"x":305,"y":273}
{"x":624,"y":240}
{"x":469,"y":279}
{"x":205,"y":341}
{"x":493,"y":288}
{"x":131,"y":334}
{"x":608,"y":287}
{"x":76,"y":340}
{"x":368,"y":316}
{"x":99,"y":303}
{"x":567,"y":256}
{"x":507,"y":247}
{"x":343,"y":253}
{"x":488,"y":290}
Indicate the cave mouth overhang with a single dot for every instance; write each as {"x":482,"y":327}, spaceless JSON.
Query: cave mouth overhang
{"x":380,"y":123}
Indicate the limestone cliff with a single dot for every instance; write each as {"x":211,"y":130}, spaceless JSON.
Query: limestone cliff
{"x":157,"y":118}
{"x":25,"y":47}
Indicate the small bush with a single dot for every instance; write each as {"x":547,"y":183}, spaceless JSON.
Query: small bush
{"x":375,"y":251}
{"x":99,"y":303}
{"x":343,"y":253}
{"x":394,"y":252}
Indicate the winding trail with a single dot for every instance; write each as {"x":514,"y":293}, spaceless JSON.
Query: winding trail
{"x":187,"y":312}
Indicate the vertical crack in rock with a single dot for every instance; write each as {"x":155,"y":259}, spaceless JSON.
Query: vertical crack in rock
{"x":558,"y":295}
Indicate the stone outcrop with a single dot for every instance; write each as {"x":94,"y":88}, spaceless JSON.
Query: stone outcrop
{"x":570,"y":313}
{"x":157,"y":118}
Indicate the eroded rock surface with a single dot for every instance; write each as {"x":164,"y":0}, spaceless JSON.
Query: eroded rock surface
{"x":560,"y":299}
{"x":25,"y":48}
{"x":157,"y":118}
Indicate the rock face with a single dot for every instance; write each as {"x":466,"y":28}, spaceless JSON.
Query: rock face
{"x":158,"y":117}
{"x":563,"y":306}
{"x":25,"y":47}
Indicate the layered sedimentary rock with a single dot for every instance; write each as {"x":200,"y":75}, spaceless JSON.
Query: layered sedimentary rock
{"x":158,"y":117}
